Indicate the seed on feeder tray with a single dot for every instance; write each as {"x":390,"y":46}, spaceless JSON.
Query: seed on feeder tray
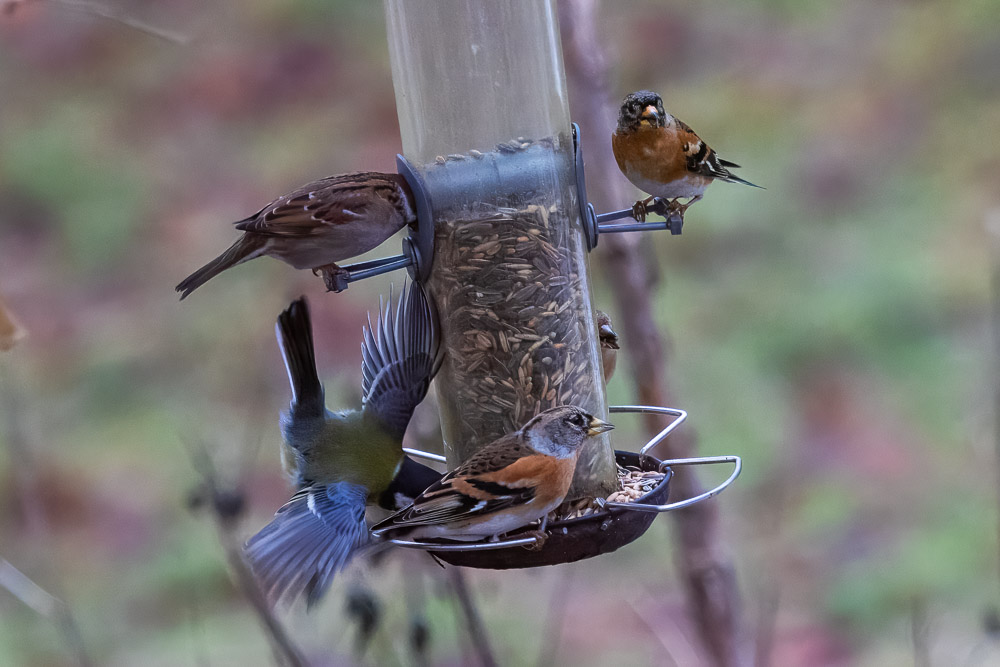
{"x":476,"y":154}
{"x":439,"y":159}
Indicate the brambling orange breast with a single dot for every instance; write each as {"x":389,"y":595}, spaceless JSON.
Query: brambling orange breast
{"x":509,"y":483}
{"x":318,"y":225}
{"x":663,"y":156}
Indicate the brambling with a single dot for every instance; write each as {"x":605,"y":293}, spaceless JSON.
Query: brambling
{"x":342,"y":461}
{"x":664,"y":157}
{"x":609,"y":344}
{"x":509,"y":483}
{"x":318,"y":225}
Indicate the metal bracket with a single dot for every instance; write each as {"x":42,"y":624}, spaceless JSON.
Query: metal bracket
{"x":680,"y":415}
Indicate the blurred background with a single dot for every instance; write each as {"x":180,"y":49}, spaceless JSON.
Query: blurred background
{"x":833,"y":330}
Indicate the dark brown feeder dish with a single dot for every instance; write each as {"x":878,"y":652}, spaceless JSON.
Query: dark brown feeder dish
{"x":570,"y":540}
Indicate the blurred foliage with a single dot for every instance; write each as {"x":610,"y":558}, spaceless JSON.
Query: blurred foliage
{"x":832,"y":329}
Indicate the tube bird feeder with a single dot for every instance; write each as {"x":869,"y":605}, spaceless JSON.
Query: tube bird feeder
{"x":502,"y":239}
{"x":484,"y":118}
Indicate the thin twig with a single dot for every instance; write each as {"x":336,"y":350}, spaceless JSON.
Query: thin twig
{"x":226,"y":519}
{"x":708,"y":575}
{"x":29,"y":496}
{"x":473,"y":620}
{"x":552,"y":636}
{"x":44,"y":604}
{"x":919,"y":632}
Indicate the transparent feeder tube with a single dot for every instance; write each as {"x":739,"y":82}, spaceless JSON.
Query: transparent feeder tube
{"x":481,"y":97}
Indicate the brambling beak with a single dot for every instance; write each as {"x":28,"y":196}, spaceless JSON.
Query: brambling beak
{"x":650,"y":114}
{"x":598,"y":426}
{"x":608,"y":336}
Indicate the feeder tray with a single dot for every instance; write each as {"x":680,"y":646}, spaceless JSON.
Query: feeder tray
{"x":570,"y":540}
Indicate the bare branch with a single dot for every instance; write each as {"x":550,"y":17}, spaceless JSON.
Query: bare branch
{"x":473,"y":620}
{"x":708,"y":575}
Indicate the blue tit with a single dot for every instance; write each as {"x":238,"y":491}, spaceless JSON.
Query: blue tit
{"x":342,"y":461}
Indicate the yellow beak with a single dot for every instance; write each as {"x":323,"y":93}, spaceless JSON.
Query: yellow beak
{"x":598,"y":426}
{"x":650,"y":113}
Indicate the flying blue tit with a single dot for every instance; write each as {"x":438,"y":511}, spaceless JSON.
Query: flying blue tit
{"x":342,"y":461}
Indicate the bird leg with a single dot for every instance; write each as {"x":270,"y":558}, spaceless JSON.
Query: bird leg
{"x":681,"y":209}
{"x":335,"y":277}
{"x":641,"y":208}
{"x":539,"y":534}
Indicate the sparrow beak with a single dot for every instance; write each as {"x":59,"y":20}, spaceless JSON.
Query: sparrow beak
{"x":650,"y":114}
{"x":608,"y":336}
{"x":598,"y":426}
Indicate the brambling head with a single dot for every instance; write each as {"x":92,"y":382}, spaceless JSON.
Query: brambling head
{"x":643,"y":108}
{"x":607,"y":335}
{"x":561,"y":431}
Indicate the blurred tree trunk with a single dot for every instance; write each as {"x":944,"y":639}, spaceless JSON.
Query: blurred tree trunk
{"x":708,"y":574}
{"x":10,"y":329}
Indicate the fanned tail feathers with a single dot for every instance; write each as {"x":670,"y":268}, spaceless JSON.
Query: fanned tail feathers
{"x":311,"y":538}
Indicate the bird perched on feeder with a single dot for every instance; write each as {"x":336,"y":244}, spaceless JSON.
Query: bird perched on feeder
{"x":318,"y":225}
{"x":663,"y":156}
{"x":342,"y":461}
{"x":509,"y":483}
{"x":609,"y":344}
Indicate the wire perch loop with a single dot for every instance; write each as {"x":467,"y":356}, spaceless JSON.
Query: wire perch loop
{"x":569,"y":540}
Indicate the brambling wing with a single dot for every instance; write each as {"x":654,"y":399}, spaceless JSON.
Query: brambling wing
{"x":399,"y":357}
{"x":703,"y":160}
{"x":503,"y":474}
{"x":314,"y":208}
{"x":310,"y":539}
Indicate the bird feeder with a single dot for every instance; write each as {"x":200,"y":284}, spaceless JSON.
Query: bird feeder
{"x":502,"y":240}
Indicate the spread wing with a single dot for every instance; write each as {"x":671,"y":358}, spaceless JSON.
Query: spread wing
{"x":316,"y":207}
{"x":399,"y":358}
{"x":310,"y":539}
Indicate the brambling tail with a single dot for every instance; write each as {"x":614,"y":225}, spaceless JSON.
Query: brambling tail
{"x":509,"y":483}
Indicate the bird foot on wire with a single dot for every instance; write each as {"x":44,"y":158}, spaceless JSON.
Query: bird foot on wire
{"x":334,"y":277}
{"x":541,"y":537}
{"x":641,"y":208}
{"x":670,"y":209}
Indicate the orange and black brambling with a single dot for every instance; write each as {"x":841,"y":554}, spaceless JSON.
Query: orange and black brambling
{"x":664,"y":157}
{"x":318,"y":225}
{"x":511,"y":482}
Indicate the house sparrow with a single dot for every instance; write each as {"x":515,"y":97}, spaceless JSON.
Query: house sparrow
{"x":342,"y":461}
{"x":664,"y":157}
{"x":609,"y":344}
{"x":509,"y":483}
{"x":318,"y":225}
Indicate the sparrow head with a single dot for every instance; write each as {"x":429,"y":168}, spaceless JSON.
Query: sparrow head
{"x":607,"y":335}
{"x":641,"y":109}
{"x":560,"y":431}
